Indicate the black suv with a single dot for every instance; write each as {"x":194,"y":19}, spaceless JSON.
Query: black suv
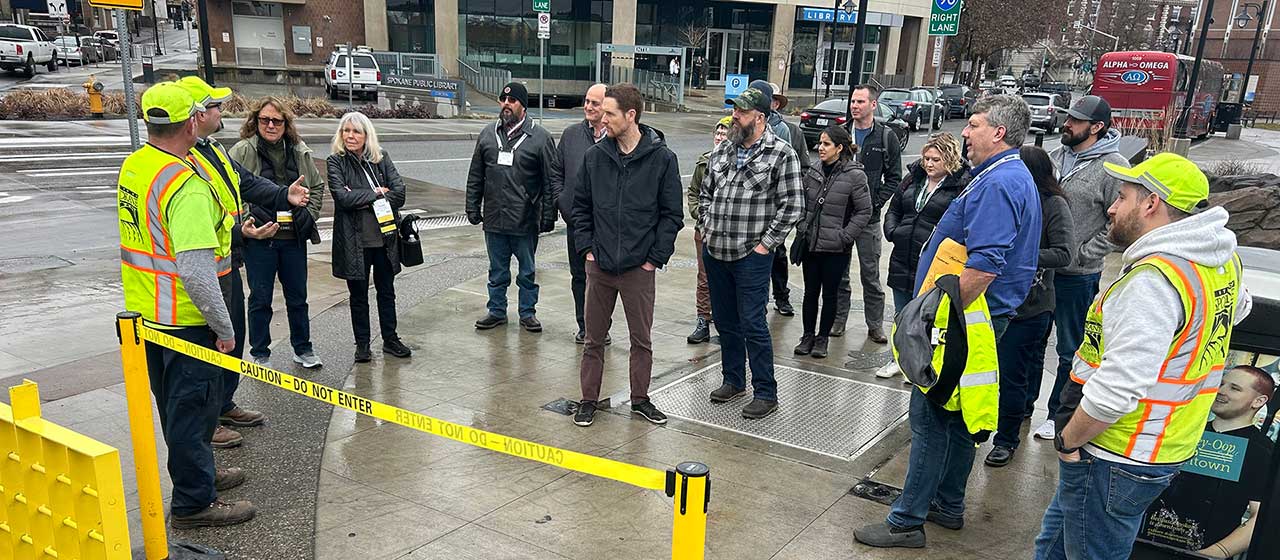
{"x":960,"y":99}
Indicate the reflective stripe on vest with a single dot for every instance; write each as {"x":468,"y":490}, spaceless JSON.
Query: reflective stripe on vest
{"x":977,"y":395}
{"x":1166,"y":425}
{"x":228,"y":195}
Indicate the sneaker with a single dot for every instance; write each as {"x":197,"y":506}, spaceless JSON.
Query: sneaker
{"x":805,"y":346}
{"x":784,"y":307}
{"x":943,"y":520}
{"x":363,"y":355}
{"x":224,"y":437}
{"x":819,"y":347}
{"x":883,"y":535}
{"x":261,"y":360}
{"x":759,"y":408}
{"x":876,"y":335}
{"x":581,"y":337}
{"x":531,"y":324}
{"x":396,"y":348}
{"x":649,"y":412}
{"x":888,"y":370}
{"x":586,"y":414}
{"x":218,"y":514}
{"x":701,"y":333}
{"x":242,"y":418}
{"x":490,"y":321}
{"x":307,"y":360}
{"x":226,"y":479}
{"x":837,"y":330}
{"x":999,"y":456}
{"x":726,"y":393}
{"x":1046,"y":431}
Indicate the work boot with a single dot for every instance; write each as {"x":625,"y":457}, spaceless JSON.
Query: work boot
{"x":228,"y":478}
{"x":242,"y":418}
{"x":531,"y":324}
{"x":837,"y":330}
{"x":396,"y":348}
{"x":649,"y":412}
{"x":224,"y":437}
{"x":784,"y":307}
{"x":363,"y":355}
{"x":759,"y":408}
{"x":218,"y":514}
{"x":586,"y":413}
{"x":819,"y":347}
{"x":999,"y":456}
{"x":883,"y":535}
{"x":490,"y":321}
{"x":876,"y":335}
{"x":701,"y":333}
{"x":805,"y":346}
{"x":726,"y":393}
{"x":943,"y":520}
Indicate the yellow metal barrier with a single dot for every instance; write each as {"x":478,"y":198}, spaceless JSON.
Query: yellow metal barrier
{"x":61,"y":493}
{"x":689,"y":484}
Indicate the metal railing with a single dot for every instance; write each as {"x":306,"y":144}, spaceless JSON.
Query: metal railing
{"x":409,"y":64}
{"x":657,"y":87}
{"x":484,"y":79}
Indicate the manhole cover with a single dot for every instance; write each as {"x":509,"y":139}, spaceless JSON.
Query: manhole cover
{"x":868,"y":489}
{"x":867,"y":360}
{"x":19,"y":265}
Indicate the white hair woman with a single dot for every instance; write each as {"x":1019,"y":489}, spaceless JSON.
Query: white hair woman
{"x":367,"y":196}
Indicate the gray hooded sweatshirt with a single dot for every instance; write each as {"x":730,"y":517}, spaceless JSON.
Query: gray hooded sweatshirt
{"x":1142,"y":315}
{"x":1090,"y":192}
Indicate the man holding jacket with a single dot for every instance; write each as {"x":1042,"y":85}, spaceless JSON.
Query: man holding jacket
{"x":626,"y":214}
{"x":509,"y":189}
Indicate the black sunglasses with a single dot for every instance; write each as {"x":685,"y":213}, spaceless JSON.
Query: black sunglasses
{"x":268,"y":121}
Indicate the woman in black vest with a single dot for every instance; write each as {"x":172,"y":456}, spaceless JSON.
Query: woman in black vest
{"x":837,"y":208}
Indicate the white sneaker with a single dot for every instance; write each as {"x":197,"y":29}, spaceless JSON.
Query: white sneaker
{"x":1045,"y":431}
{"x":888,"y":370}
{"x":308,"y":360}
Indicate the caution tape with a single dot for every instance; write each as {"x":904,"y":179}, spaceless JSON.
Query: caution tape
{"x":605,"y":468}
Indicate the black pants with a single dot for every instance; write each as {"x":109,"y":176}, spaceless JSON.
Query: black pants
{"x":778,"y":275}
{"x":189,"y":396}
{"x":384,"y":283}
{"x":233,"y":296}
{"x":822,"y":273}
{"x":578,"y":281}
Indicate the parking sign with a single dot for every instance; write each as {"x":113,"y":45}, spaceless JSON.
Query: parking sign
{"x":734,"y":85}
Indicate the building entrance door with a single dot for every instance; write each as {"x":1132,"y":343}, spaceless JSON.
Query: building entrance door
{"x":846,"y":71}
{"x":724,"y":54}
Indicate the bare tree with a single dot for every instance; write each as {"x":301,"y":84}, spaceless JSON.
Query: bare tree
{"x":789,"y":52}
{"x":988,"y":26}
{"x":693,"y":34}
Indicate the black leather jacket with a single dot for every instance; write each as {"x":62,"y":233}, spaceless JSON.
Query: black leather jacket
{"x":349,"y":187}
{"x":516,"y":199}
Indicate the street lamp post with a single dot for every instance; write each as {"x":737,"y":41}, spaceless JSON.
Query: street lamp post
{"x":1242,"y":20}
{"x":1180,"y":131}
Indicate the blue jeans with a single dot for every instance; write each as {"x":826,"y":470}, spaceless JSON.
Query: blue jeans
{"x":1098,"y":508}
{"x":739,"y":293}
{"x":1072,"y":296}
{"x":1021,"y":355}
{"x":900,"y":299}
{"x":501,"y":248}
{"x":189,"y":396}
{"x":264,"y":261}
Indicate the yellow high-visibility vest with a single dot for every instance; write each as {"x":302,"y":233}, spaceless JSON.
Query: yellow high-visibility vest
{"x":1166,"y":427}
{"x":149,"y":178}
{"x":228,"y":194}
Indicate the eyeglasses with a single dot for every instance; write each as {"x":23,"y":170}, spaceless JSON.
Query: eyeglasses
{"x":209,"y":106}
{"x":268,"y":121}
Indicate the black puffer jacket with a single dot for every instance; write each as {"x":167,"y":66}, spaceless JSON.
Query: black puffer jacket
{"x":1057,"y":250}
{"x":832,"y":225}
{"x":908,"y":229}
{"x":352,"y":195}
{"x":516,"y":199}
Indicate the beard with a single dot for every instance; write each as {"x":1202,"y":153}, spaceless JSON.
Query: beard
{"x":739,"y":134}
{"x":1124,"y":230}
{"x":508,"y":117}
{"x":1070,"y":140}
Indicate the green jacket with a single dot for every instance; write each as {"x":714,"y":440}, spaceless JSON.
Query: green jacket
{"x":245,"y":152}
{"x":691,"y":195}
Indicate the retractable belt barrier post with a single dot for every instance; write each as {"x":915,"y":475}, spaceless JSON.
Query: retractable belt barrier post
{"x":689,"y":483}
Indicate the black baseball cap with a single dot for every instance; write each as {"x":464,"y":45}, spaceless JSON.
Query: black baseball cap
{"x":1091,"y":108}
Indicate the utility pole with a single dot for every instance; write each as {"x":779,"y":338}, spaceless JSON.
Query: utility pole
{"x":155,"y":26}
{"x":1180,"y":131}
{"x":855,"y":76}
{"x":206,"y":45}
{"x":1253,"y":51}
{"x":831,"y":53}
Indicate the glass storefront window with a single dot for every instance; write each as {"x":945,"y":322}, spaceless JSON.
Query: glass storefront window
{"x":411,"y":26}
{"x":259,"y":9}
{"x":503,"y":33}
{"x":738,"y":39}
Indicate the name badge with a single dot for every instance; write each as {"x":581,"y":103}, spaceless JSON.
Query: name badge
{"x":386,"y":218}
{"x":506,"y":158}
{"x":285,"y":219}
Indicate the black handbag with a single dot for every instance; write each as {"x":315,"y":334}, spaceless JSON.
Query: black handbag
{"x":410,"y":242}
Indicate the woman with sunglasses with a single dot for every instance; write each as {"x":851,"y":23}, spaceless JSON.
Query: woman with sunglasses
{"x":270,"y":147}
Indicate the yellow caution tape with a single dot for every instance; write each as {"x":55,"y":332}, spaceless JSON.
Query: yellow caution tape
{"x":643,"y":477}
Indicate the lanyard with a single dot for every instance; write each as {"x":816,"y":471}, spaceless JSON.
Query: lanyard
{"x":513,"y":148}
{"x":925,"y":193}
{"x":976,"y":179}
{"x":373,"y":184}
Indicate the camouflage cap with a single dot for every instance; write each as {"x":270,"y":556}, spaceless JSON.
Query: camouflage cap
{"x":751,"y":99}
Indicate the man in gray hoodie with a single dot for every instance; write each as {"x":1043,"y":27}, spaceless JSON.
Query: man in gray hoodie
{"x":1147,"y":374}
{"x":1088,"y":141}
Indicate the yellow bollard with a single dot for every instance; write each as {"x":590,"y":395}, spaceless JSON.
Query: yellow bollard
{"x":692,"y":496}
{"x":142,"y":429}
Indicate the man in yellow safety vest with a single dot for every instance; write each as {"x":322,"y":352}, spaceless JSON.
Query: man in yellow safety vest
{"x":1154,"y":348}
{"x":175,"y":239}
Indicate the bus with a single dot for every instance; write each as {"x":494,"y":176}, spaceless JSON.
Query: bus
{"x":1147,"y":91}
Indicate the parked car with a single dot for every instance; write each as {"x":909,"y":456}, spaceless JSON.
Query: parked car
{"x":1009,"y":83}
{"x":1030,"y":82}
{"x":832,"y":111}
{"x":365,"y":74}
{"x":109,"y":36}
{"x":69,"y":52}
{"x":1048,"y":110}
{"x":24,"y":46}
{"x":913,"y":106}
{"x":1061,"y":88}
{"x":106,"y":49}
{"x":960,"y":99}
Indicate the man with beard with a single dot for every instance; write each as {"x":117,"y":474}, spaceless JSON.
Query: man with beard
{"x":1088,"y":142}
{"x":749,"y":201}
{"x":574,"y":142}
{"x":1203,"y":513}
{"x":1148,"y":371}
{"x":627,"y":214}
{"x":510,"y":190}
{"x":234,"y":186}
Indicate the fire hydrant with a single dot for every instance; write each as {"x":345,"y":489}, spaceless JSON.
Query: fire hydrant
{"x":94,"y":88}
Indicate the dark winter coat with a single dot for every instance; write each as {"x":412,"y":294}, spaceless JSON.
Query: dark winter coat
{"x":627,"y":214}
{"x":1057,"y":250}
{"x":574,"y":143}
{"x":881,"y":157}
{"x":833,"y":224}
{"x":516,"y":199}
{"x":909,"y":230}
{"x":352,"y":195}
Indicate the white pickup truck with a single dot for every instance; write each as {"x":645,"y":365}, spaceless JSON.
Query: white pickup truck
{"x":24,"y":46}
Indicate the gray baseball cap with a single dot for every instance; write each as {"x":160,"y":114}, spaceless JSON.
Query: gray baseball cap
{"x":1091,"y":108}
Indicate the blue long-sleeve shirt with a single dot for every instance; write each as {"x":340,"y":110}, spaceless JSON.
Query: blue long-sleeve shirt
{"x":998,"y":221}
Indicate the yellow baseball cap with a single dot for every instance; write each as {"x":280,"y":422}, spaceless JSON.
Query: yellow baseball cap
{"x":167,"y":103}
{"x":203,"y":92}
{"x":1175,"y":179}
{"x":724,"y":122}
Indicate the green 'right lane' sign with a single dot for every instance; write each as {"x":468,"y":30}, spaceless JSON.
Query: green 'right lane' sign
{"x":944,"y":17}
{"x":542,"y":5}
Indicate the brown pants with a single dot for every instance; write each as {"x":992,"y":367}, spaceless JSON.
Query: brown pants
{"x":703,"y":296}
{"x":637,"y":290}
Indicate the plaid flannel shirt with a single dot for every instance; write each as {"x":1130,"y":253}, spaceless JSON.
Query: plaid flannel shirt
{"x":757,"y":203}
